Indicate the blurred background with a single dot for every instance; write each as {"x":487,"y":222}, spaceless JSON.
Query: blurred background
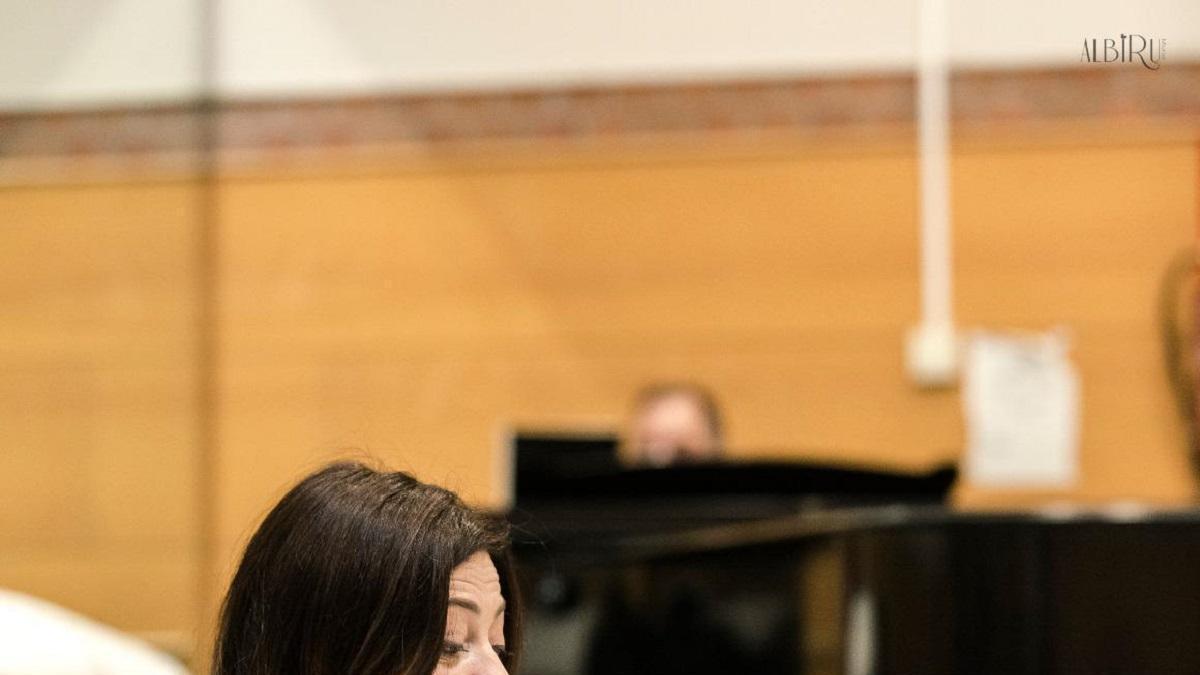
{"x":240,"y":238}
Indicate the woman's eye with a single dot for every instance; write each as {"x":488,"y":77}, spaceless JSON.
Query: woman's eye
{"x":453,"y":648}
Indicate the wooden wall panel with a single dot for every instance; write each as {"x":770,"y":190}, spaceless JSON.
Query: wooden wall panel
{"x":419,"y":311}
{"x":97,"y":400}
{"x":1080,"y":237}
{"x":422,"y":311}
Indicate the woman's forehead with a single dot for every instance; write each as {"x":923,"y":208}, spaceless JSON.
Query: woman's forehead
{"x":475,"y":574}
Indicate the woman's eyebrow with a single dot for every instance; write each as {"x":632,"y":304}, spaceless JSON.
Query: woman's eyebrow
{"x":465,"y":604}
{"x":470,"y":605}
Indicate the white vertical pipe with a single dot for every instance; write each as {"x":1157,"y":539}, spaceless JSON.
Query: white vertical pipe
{"x":933,"y":138}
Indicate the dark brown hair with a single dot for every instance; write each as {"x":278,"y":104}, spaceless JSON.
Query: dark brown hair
{"x":350,"y":575}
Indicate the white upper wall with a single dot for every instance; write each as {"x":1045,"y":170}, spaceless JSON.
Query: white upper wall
{"x":93,"y":52}
{"x":315,"y":46}
{"x":88,"y":52}
{"x":362,"y":45}
{"x":1033,"y":33}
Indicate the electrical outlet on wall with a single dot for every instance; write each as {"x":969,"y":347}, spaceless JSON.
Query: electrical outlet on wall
{"x":931,"y":354}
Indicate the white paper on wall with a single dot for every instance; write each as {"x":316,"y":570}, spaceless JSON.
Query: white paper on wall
{"x":1021,"y":403}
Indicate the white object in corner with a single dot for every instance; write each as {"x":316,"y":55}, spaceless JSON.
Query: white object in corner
{"x":40,"y":638}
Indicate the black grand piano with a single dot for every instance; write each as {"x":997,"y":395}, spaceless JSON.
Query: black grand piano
{"x":803,"y":568}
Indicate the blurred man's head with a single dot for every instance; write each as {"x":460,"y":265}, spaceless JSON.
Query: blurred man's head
{"x":674,"y":424}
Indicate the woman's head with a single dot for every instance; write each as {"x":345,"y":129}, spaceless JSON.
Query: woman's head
{"x":361,"y":572}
